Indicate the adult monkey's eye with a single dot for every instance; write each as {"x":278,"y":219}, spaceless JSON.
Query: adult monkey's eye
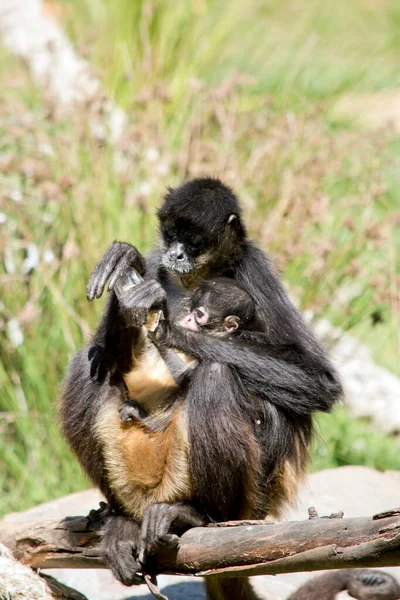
{"x":196,"y":242}
{"x":199,"y":313}
{"x":169,"y":236}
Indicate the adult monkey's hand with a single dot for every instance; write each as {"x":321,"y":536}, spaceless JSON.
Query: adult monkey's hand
{"x":135,"y":303}
{"x":114,"y":262}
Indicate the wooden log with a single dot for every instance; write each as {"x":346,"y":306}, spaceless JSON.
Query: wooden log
{"x":232,"y":549}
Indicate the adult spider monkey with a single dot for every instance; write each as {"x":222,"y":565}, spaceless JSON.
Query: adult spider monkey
{"x":245,"y":422}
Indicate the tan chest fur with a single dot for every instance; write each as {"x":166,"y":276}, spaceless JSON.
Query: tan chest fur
{"x":149,"y":382}
{"x":144,"y":467}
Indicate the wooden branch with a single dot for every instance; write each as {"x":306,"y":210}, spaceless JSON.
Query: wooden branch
{"x":231,"y":549}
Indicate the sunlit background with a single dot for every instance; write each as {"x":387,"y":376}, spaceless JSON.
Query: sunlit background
{"x":294,"y":104}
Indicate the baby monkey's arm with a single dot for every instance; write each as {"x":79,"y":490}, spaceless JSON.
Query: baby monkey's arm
{"x":132,"y":412}
{"x":180,"y":371}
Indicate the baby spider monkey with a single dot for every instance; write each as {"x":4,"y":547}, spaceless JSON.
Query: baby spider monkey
{"x":218,"y":307}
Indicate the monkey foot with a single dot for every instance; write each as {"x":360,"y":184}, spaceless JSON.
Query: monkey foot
{"x":120,"y":546}
{"x":161,"y":525}
{"x":99,"y":514}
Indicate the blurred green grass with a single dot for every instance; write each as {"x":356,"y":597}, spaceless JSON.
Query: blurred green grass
{"x":245,"y":91}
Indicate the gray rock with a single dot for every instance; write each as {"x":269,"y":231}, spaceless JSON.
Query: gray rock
{"x":371,"y":390}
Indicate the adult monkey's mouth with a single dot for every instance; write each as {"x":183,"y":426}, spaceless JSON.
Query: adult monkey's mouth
{"x":178,"y":268}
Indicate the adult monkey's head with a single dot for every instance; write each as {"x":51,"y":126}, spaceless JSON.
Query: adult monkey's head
{"x":202,"y":233}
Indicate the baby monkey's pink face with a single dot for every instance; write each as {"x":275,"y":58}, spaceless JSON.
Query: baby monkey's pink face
{"x":219,"y":307}
{"x":196,"y":319}
{"x":201,"y":319}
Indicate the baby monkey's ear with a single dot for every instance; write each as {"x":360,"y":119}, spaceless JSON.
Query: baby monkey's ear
{"x":231,"y":323}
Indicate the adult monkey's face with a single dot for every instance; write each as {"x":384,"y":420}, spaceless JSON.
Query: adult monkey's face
{"x":200,"y":227}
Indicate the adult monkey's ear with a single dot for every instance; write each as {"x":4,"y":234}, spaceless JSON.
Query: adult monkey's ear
{"x":235,"y":227}
{"x":231,"y":323}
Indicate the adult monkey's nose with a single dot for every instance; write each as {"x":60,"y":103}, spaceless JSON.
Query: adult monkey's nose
{"x":177,"y":252}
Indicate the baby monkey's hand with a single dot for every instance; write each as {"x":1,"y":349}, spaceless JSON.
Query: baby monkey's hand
{"x":161,"y":333}
{"x":130,"y":411}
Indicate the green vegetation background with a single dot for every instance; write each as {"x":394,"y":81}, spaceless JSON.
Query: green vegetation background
{"x":246,"y":90}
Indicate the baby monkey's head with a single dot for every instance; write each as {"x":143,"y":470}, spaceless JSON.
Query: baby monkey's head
{"x":220,"y":307}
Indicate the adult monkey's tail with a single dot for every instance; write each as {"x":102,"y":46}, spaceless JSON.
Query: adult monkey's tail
{"x":230,"y":588}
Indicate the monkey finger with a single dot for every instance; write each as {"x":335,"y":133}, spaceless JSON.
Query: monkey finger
{"x":122,"y":266}
{"x":91,"y":287}
{"x":103,"y":267}
{"x":97,"y":281}
{"x":143,"y":296}
{"x":148,"y":534}
{"x":123,"y":564}
{"x":108,"y":269}
{"x":127,"y":571}
{"x":118,"y":252}
{"x":155,"y":531}
{"x":128,"y":574}
{"x":153,"y":295}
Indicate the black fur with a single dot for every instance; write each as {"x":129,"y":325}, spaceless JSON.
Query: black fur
{"x":220,"y":443}
{"x":283,"y":367}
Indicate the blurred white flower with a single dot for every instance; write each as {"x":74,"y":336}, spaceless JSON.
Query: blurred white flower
{"x":145,"y":188}
{"x":162,"y":168}
{"x":12,"y":225}
{"x":16,"y":195}
{"x":9,"y":261}
{"x":47,"y":218}
{"x":32,"y":259}
{"x":15,"y":334}
{"x":152,"y":155}
{"x":46,"y":149}
{"x":3,"y":217}
{"x":118,"y":122}
{"x":48,"y":256}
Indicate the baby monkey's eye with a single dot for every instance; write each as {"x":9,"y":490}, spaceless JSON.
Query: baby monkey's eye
{"x":201,"y":316}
